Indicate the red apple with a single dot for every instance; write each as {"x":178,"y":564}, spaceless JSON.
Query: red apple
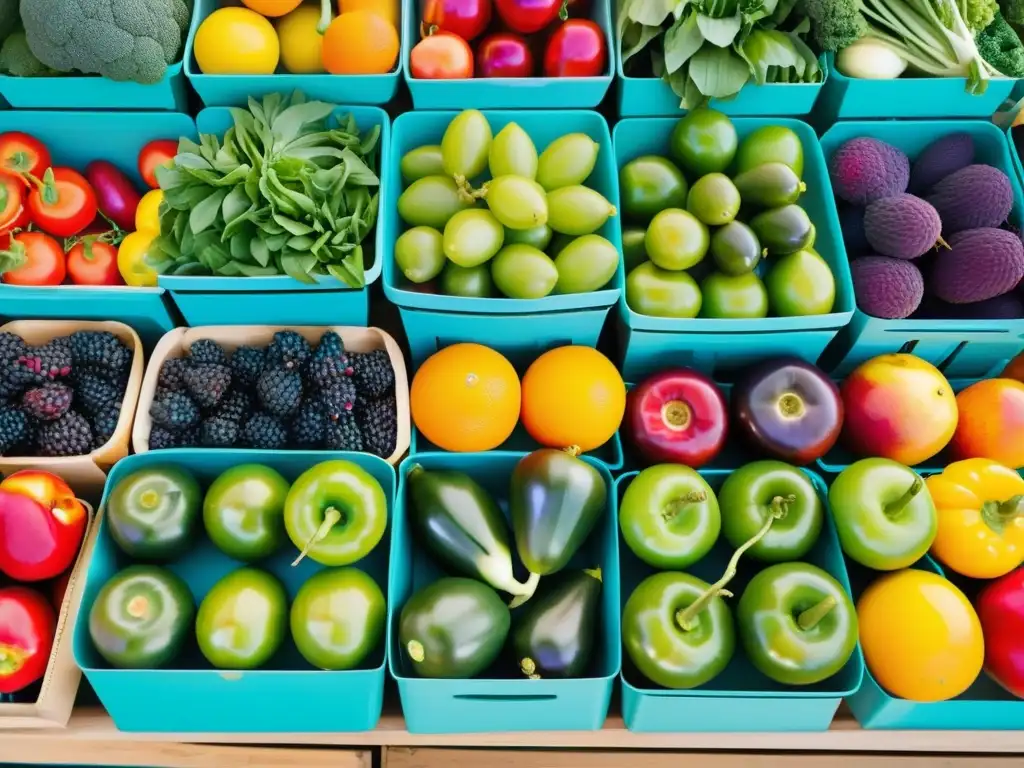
{"x":41,"y":525}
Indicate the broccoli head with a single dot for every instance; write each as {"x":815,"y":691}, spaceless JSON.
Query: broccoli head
{"x":1001,"y":47}
{"x":1013,"y":11}
{"x":977,"y":14}
{"x":835,"y":24}
{"x":119,"y":39}
{"x":17,"y":60}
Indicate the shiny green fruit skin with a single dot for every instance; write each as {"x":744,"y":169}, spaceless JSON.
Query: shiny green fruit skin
{"x":771,"y":144}
{"x":578,"y":210}
{"x":466,"y":144}
{"x":538,"y":237}
{"x":472,"y":237}
{"x":242,"y":620}
{"x":735,"y":249}
{"x":783,"y":230}
{"x":431,"y":202}
{"x":650,"y":184}
{"x":337,"y":618}
{"x":243,"y":512}
{"x":662,"y":293}
{"x":567,"y":161}
{"x":771,"y":185}
{"x":152,"y":513}
{"x":676,"y":239}
{"x":467,"y":282}
{"x":523,"y":272}
{"x":713,"y":199}
{"x":634,"y":251}
{"x":422,"y":162}
{"x":733,"y":297}
{"x":703,"y":141}
{"x":586,"y":264}
{"x":517,"y":202}
{"x":801,"y":284}
{"x":419,"y":253}
{"x":513,"y":153}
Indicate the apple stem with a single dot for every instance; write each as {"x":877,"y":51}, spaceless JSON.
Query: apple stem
{"x":779,"y":507}
{"x":676,"y":506}
{"x":331,"y":517}
{"x":897,"y":506}
{"x":809,"y":619}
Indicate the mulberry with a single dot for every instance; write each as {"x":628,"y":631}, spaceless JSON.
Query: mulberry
{"x":175,"y":410}
{"x":288,"y":350}
{"x":99,"y":349}
{"x":246,"y":366}
{"x":208,"y":351}
{"x":14,"y":429}
{"x":342,"y":434}
{"x":208,"y":383}
{"x":48,"y":402}
{"x":172,"y":374}
{"x":280,"y":391}
{"x":70,"y":435}
{"x":264,"y":431}
{"x":374,"y":374}
{"x":378,"y":422}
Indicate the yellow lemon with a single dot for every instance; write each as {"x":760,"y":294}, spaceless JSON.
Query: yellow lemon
{"x":236,"y":41}
{"x":301,"y":44}
{"x":147,"y":215}
{"x":131,"y":259}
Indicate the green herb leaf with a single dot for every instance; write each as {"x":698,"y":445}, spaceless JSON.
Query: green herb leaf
{"x":204,"y":215}
{"x":720,"y":31}
{"x":718,"y":72}
{"x":682,"y":41}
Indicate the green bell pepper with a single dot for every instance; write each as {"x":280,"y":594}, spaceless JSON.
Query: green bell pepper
{"x":242,"y":621}
{"x":796,"y":623}
{"x":243,"y":512}
{"x":335,"y":513}
{"x":152,"y":513}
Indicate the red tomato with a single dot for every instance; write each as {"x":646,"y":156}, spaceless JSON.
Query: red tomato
{"x":528,"y":16}
{"x":576,"y":49}
{"x":158,"y":152}
{"x":94,"y":264}
{"x":465,"y":18}
{"x":504,"y":55}
{"x":27,"y":629}
{"x":36,"y":259}
{"x":63,"y":204}
{"x":441,"y":56}
{"x":21,"y":153}
{"x":1001,"y":611}
{"x":13,"y":213}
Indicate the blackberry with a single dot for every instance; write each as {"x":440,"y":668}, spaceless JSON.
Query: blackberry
{"x":104,"y":424}
{"x":208,"y":383}
{"x":161,"y":438}
{"x":49,"y":361}
{"x":172,"y":374}
{"x":280,"y":391}
{"x":264,"y":431}
{"x":329,"y":362}
{"x":378,"y":421}
{"x":208,"y":351}
{"x":235,"y":407}
{"x":246,"y":366}
{"x":14,"y":429}
{"x":288,"y":350}
{"x":14,"y":379}
{"x":340,"y":398}
{"x":218,"y":432}
{"x":99,"y":349}
{"x":48,"y":402}
{"x":175,"y":410}
{"x":342,"y":434}
{"x":11,"y":347}
{"x":307,"y":429}
{"x":94,"y":393}
{"x":374,"y":374}
{"x":70,"y":435}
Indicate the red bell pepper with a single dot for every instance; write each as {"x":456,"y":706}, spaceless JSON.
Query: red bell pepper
{"x":1001,"y":610}
{"x":27,"y":628}
{"x":41,"y":525}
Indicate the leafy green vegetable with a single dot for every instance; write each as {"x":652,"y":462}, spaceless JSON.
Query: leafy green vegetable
{"x":288,"y":190}
{"x":1000,"y":46}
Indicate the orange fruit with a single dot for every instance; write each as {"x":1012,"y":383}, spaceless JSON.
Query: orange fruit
{"x":991,"y":423}
{"x":465,"y":398}
{"x":360,"y":43}
{"x":573,"y":396}
{"x":386,"y":8}
{"x":272,"y":7}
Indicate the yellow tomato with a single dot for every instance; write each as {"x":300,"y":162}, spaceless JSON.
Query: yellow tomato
{"x":386,"y":8}
{"x":272,"y":7}
{"x":131,"y":259}
{"x":301,"y":44}
{"x":147,"y":215}
{"x":236,"y":41}
{"x":920,"y":635}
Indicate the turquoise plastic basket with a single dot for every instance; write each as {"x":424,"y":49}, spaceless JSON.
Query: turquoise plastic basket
{"x":235,"y":90}
{"x":985,"y":706}
{"x":283,"y":300}
{"x":508,"y":92}
{"x":519,"y":328}
{"x":94,"y":92}
{"x":652,"y":96}
{"x":1014,"y":152}
{"x":961,"y":348}
{"x":716,"y":346}
{"x":288,"y":696}
{"x":740,"y":699}
{"x":850,"y":98}
{"x":117,"y":137}
{"x":502,"y":700}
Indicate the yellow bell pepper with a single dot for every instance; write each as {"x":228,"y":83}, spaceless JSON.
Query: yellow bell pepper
{"x":131,"y":260}
{"x":980,"y":506}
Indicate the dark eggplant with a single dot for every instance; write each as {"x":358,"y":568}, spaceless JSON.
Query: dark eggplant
{"x":116,"y":196}
{"x":462,"y":528}
{"x":555,"y":636}
{"x":454,"y":628}
{"x":556,"y":500}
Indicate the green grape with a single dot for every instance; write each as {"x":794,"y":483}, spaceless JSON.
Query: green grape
{"x":567,"y":161}
{"x":516,"y":202}
{"x":523,"y":272}
{"x":472,"y":237}
{"x":465,"y":144}
{"x":431,"y":201}
{"x":586,"y":264}
{"x":419,"y":254}
{"x":512,"y":153}
{"x":676,"y":239}
{"x":577,"y":210}
{"x":538,"y":237}
{"x":469,"y":282}
{"x":422,"y":161}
